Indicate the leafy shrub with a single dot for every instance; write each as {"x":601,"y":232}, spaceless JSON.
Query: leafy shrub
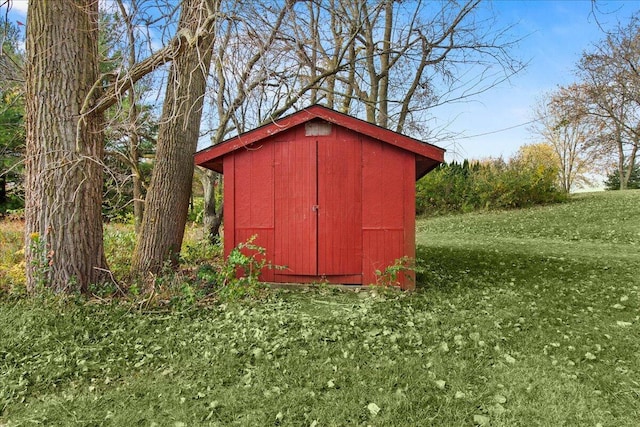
{"x":196,"y":210}
{"x":247,"y":259}
{"x":200,"y":251}
{"x":493,"y":184}
{"x":119,"y":241}
{"x":12,"y":265}
{"x":13,"y":207}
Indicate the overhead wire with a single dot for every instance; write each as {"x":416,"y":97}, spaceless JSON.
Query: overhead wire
{"x":493,"y":131}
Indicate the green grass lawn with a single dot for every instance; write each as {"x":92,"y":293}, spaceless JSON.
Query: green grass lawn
{"x":525,"y":318}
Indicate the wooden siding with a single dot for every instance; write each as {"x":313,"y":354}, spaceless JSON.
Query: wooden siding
{"x":387,"y":230}
{"x":340,"y":203}
{"x":295,"y":196}
{"x":251,"y":189}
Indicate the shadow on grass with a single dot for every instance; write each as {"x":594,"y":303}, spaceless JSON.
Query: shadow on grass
{"x":455,"y":268}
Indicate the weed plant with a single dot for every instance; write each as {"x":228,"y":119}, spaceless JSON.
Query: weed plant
{"x":12,"y":266}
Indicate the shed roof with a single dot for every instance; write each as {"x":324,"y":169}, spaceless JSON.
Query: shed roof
{"x":428,"y":156}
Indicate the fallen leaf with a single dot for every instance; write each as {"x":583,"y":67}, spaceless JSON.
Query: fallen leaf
{"x":497,"y":409}
{"x":481,"y":420}
{"x":373,"y":408}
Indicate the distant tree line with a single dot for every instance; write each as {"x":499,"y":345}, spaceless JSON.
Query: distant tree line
{"x":522,"y":181}
{"x":593,"y":124}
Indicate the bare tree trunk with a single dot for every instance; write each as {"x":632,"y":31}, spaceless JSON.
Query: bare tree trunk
{"x":138,"y":200}
{"x":315,"y":42}
{"x":626,"y":163}
{"x":212,"y":218}
{"x":351,"y":76}
{"x":621,"y":157}
{"x":632,"y":164}
{"x":134,"y":138}
{"x":63,"y":183}
{"x":167,"y":202}
{"x":383,"y":97}
{"x":215,"y":224}
{"x":374,"y":78}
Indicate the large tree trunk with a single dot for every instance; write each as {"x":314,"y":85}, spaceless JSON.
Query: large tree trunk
{"x":167,"y":201}
{"x":63,"y":232}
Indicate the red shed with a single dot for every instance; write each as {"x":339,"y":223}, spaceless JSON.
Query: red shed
{"x":329,"y":196}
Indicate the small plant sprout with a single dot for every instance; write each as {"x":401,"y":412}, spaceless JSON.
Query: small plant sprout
{"x":390,"y":277}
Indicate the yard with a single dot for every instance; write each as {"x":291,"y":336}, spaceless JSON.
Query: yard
{"x":525,"y":318}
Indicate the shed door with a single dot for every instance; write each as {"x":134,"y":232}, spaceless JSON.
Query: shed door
{"x":318,"y":205}
{"x":340,"y":205}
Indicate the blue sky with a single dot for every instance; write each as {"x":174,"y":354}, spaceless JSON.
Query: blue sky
{"x":555,"y":33}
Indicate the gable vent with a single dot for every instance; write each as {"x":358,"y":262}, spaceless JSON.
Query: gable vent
{"x":317,"y":129}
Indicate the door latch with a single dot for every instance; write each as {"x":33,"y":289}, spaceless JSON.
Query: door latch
{"x":315,"y":208}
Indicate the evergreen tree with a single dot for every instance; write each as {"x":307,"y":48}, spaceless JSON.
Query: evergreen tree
{"x":613,"y":180}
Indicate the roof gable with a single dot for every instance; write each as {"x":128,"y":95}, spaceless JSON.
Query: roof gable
{"x":427,"y":156}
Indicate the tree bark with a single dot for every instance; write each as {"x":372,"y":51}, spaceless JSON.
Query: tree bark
{"x":215,"y":224}
{"x":212,"y":218}
{"x":167,"y":201}
{"x":64,"y":149}
{"x":385,"y":64}
{"x":621,"y":157}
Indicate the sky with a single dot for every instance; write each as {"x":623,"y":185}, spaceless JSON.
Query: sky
{"x":554,"y":34}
